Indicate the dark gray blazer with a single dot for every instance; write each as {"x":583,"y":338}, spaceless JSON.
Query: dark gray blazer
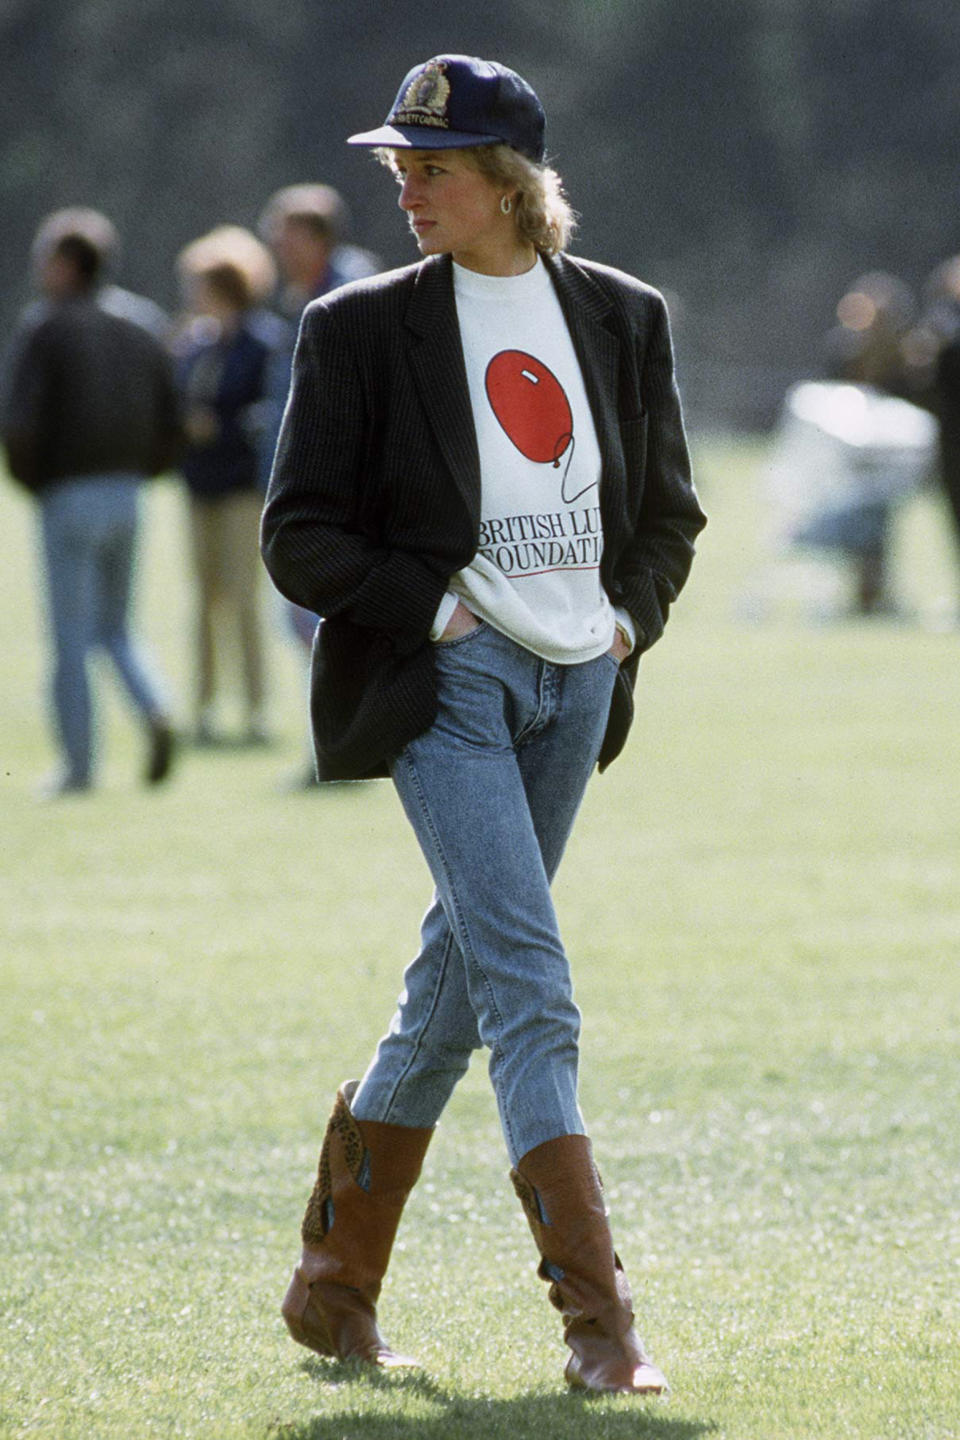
{"x":374,"y":500}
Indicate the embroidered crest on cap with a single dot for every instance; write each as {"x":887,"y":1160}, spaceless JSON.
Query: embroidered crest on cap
{"x":425,"y":99}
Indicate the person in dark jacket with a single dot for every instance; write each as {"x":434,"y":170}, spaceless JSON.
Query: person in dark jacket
{"x":223,"y":357}
{"x":482,"y":485}
{"x":90,"y":412}
{"x":945,"y":396}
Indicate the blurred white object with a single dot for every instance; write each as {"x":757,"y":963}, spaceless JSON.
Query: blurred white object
{"x":842,"y":458}
{"x":840,"y":446}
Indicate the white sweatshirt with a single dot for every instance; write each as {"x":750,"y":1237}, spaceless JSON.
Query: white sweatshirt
{"x":536,"y":574}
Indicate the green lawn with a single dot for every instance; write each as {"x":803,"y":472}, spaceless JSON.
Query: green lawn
{"x":762,"y":904}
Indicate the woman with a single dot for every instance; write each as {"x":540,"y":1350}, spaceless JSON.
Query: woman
{"x":222,"y":361}
{"x":482,"y":484}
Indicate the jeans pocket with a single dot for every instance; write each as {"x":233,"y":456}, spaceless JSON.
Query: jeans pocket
{"x":459,"y":640}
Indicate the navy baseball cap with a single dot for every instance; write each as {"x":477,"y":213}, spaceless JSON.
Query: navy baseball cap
{"x":457,"y":101}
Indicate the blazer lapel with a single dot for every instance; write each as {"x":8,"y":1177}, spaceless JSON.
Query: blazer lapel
{"x":436,"y":360}
{"x":588,"y":315}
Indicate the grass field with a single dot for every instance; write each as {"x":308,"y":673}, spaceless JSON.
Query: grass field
{"x":762,"y":904}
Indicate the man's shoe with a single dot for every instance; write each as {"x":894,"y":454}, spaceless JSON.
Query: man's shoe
{"x":160,"y":750}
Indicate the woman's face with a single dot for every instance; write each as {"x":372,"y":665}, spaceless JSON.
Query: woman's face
{"x":454,"y":210}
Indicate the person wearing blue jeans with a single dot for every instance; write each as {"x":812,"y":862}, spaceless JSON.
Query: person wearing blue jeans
{"x":482,"y":487}
{"x":89,"y":528}
{"x":90,"y":413}
{"x":492,"y":790}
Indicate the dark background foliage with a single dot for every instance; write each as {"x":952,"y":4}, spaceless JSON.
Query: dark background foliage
{"x":750,"y":157}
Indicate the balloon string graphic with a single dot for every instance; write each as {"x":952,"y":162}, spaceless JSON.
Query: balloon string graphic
{"x":568,"y":442}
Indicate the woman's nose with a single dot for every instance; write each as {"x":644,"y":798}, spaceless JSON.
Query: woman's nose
{"x":409,"y":193}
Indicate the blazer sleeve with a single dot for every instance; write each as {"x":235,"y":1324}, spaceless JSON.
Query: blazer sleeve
{"x":654,"y":564}
{"x":317,"y":539}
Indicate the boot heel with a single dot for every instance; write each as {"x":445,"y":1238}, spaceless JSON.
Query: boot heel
{"x":299,"y":1313}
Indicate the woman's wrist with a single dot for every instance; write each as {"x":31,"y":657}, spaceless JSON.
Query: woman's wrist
{"x":444,"y":613}
{"x":625,"y":628}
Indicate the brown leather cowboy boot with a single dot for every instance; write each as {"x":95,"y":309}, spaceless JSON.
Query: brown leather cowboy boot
{"x":367,"y":1170}
{"x":562,"y":1197}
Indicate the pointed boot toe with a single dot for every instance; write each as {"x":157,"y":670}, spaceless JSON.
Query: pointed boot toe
{"x":613,"y":1377}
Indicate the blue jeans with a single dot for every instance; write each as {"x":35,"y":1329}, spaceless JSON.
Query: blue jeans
{"x":492,"y":789}
{"x":89,"y":531}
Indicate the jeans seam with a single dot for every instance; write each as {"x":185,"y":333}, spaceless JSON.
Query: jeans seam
{"x":415,"y":1051}
{"x":539,"y":721}
{"x":467,"y":951}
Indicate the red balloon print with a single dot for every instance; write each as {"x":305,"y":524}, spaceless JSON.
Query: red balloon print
{"x":531,"y":405}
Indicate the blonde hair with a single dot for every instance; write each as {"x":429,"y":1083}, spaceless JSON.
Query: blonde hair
{"x":234,"y":261}
{"x":544,"y":216}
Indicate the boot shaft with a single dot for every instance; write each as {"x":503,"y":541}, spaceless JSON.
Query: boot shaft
{"x":365,"y":1174}
{"x":561,"y":1193}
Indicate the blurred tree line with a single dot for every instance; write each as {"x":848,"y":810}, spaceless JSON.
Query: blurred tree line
{"x":750,"y":157}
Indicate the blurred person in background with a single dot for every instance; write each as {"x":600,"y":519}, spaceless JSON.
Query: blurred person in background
{"x":114,"y":298}
{"x":849,"y":449}
{"x":945,"y":317}
{"x":305,"y":226}
{"x":223,"y":355}
{"x":867,"y":349}
{"x":482,"y":484}
{"x":90,"y":412}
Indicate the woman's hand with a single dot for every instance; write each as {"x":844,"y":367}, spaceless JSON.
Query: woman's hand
{"x":461,"y":622}
{"x":619,"y":649}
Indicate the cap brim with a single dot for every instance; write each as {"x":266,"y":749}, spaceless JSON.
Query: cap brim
{"x":421,"y":137}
